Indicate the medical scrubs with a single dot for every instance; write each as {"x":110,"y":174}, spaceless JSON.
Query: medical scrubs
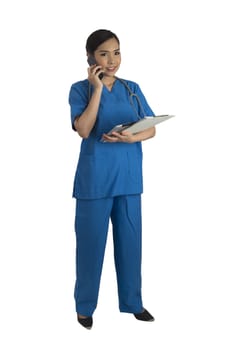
{"x":108,"y":185}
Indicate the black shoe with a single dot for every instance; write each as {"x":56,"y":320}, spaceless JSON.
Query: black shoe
{"x":144,"y":316}
{"x":86,"y":322}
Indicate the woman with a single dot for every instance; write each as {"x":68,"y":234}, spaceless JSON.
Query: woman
{"x":108,"y":179}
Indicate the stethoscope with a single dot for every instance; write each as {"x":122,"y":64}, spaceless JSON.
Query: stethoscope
{"x":132,"y":95}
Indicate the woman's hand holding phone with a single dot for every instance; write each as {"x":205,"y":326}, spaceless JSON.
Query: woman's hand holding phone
{"x":95,"y":72}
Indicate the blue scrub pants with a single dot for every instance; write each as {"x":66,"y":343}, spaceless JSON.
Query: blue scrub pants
{"x":91,"y":226}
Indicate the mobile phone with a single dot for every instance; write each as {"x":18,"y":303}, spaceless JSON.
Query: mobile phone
{"x":91,"y":60}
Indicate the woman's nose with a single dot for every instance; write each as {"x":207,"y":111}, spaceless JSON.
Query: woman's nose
{"x":111,"y":59}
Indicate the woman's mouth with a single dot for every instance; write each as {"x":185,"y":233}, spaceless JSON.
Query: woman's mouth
{"x":110,"y":69}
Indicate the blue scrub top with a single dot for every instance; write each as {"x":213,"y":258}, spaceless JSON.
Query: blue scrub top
{"x":108,"y":169}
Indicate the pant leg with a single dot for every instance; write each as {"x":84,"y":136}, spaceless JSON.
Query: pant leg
{"x":91,"y":226}
{"x":126,"y":220}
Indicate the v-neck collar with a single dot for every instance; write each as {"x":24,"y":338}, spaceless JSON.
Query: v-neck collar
{"x":110,"y":90}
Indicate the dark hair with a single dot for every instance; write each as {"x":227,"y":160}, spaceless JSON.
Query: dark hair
{"x":97,"y":38}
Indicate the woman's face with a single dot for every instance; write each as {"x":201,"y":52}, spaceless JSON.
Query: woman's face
{"x":108,"y":56}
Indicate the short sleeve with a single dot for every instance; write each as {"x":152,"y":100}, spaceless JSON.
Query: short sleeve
{"x":78,"y":99}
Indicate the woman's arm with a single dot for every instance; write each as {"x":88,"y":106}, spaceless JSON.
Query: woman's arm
{"x":130,"y":138}
{"x":84,"y":123}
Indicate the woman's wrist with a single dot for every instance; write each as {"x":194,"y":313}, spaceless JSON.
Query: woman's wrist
{"x":98,"y":89}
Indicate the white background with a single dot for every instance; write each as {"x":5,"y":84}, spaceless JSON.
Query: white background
{"x":180,"y":54}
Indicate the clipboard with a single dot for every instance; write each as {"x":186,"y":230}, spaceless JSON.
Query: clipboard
{"x":141,"y":124}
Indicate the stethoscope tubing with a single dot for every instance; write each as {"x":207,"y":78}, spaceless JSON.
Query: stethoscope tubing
{"x":131,"y":95}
